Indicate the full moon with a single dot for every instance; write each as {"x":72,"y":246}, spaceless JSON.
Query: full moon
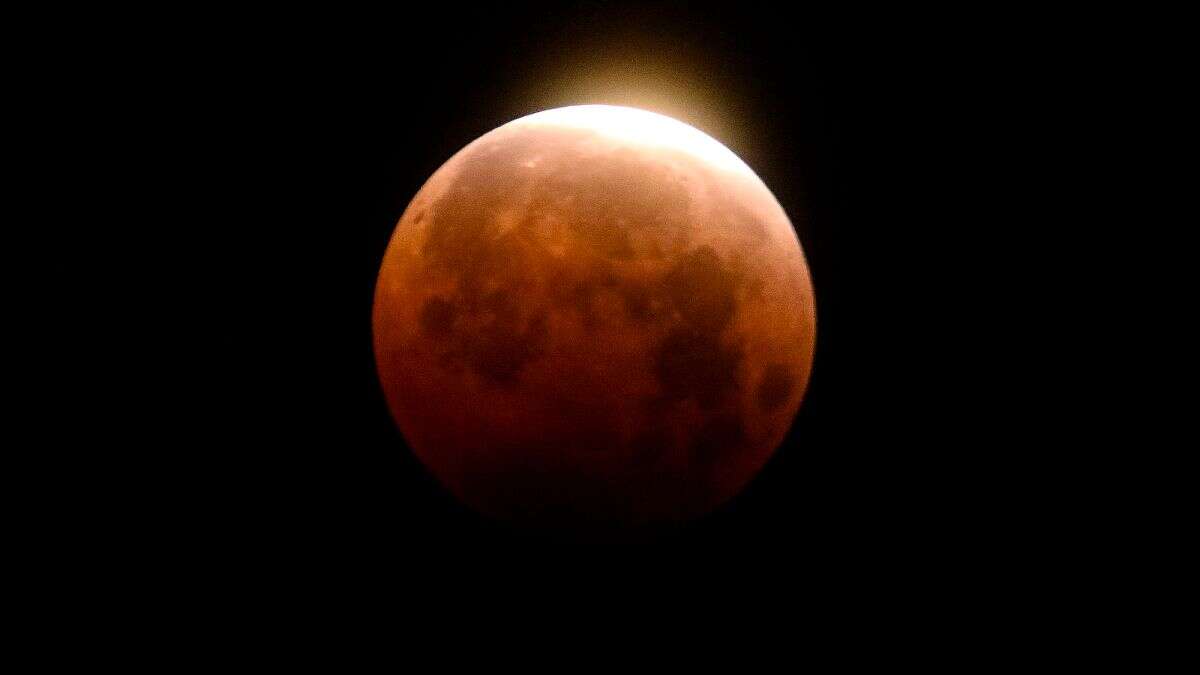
{"x":594,"y":317}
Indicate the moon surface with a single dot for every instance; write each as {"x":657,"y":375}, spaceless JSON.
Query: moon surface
{"x":594,"y":316}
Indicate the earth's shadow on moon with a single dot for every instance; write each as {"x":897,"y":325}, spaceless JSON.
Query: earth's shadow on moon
{"x":591,"y":341}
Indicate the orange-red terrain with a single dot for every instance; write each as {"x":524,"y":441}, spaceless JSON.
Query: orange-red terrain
{"x":580,"y":327}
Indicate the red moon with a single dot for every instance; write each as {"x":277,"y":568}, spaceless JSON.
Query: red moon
{"x":594,"y":316}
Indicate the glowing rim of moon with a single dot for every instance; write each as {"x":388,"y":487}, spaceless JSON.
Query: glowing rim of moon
{"x":642,"y":127}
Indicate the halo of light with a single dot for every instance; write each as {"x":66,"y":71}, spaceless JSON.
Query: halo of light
{"x":644,"y":128}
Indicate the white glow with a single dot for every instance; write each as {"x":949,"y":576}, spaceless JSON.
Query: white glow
{"x":642,"y":127}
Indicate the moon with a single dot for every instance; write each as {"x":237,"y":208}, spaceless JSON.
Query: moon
{"x":594,"y":317}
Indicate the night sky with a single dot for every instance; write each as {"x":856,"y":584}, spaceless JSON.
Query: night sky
{"x":316,"y":130}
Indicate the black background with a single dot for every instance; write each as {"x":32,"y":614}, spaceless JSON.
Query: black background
{"x":290,"y":146}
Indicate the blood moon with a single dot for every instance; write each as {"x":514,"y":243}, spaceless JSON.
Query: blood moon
{"x":594,"y":316}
